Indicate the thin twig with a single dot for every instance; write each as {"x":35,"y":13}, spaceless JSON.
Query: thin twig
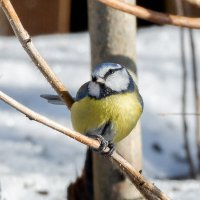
{"x":184,"y":103}
{"x":29,"y":47}
{"x":153,"y":16}
{"x":178,"y":114}
{"x":198,"y":137}
{"x":180,"y":10}
{"x":195,"y":86}
{"x":41,"y":119}
{"x":193,"y":2}
{"x":147,"y":189}
{"x":188,"y":10}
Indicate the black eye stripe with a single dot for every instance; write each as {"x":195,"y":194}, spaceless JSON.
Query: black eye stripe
{"x":111,"y":71}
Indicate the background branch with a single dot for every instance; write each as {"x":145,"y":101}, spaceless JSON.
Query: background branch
{"x":179,"y":113}
{"x":153,"y":16}
{"x":31,"y":50}
{"x":195,"y":79}
{"x":195,"y":90}
{"x":193,"y":2}
{"x":147,"y":189}
{"x":180,"y":11}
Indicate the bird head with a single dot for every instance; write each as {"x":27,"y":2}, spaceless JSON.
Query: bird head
{"x":109,"y":78}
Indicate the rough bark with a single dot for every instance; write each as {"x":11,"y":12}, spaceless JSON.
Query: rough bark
{"x":112,"y":36}
{"x":5,"y":26}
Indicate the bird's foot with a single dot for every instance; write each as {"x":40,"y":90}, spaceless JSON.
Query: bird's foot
{"x":103,"y":145}
{"x":110,"y":152}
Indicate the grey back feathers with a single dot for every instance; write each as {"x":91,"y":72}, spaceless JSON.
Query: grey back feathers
{"x":82,"y":92}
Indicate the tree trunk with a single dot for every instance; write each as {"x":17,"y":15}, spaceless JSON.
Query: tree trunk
{"x":112,"y":35}
{"x":5,"y":26}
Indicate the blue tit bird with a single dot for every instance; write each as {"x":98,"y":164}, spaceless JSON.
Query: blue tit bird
{"x":108,"y":107}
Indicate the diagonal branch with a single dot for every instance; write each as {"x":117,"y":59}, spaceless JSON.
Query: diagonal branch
{"x":153,"y":16}
{"x":180,"y":113}
{"x":147,"y":189}
{"x":31,"y":50}
{"x":193,"y":2}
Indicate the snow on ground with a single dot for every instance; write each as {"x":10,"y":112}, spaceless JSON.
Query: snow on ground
{"x":160,"y":79}
{"x":38,"y":163}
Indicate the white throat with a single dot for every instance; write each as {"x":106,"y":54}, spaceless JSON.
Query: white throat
{"x":94,"y":89}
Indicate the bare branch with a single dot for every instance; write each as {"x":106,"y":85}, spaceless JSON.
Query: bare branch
{"x":147,"y":189}
{"x":181,"y":11}
{"x":41,"y":119}
{"x":193,"y":2}
{"x":178,"y":114}
{"x":29,"y":47}
{"x":195,"y":84}
{"x":153,"y":16}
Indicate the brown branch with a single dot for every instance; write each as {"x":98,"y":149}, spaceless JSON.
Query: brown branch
{"x":147,"y":189}
{"x":153,"y":16}
{"x":195,"y":83}
{"x":198,"y":137}
{"x":195,"y":89}
{"x":193,"y":2}
{"x":181,"y":11}
{"x":29,"y":47}
{"x":178,"y":114}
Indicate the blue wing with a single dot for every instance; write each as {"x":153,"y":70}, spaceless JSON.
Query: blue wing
{"x":82,"y":92}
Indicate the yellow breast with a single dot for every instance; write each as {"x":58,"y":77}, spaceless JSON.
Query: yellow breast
{"x":123,"y":110}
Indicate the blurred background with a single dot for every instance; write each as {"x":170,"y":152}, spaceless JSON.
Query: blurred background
{"x":64,"y":16}
{"x":37,"y":163}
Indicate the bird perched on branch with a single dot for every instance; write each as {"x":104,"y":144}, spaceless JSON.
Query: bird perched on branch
{"x":107,"y":107}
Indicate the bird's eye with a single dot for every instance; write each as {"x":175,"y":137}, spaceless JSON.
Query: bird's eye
{"x":110,"y":71}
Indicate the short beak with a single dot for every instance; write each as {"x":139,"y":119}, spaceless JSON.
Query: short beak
{"x":100,"y":80}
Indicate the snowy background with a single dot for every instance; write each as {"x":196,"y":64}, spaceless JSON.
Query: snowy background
{"x":38,"y":163}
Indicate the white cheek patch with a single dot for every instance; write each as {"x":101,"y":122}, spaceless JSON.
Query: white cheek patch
{"x":94,"y":89}
{"x":118,"y":81}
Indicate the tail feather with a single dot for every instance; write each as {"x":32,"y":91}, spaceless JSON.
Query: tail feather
{"x":53,"y":99}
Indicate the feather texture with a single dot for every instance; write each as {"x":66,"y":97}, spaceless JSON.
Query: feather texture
{"x":122,"y":110}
